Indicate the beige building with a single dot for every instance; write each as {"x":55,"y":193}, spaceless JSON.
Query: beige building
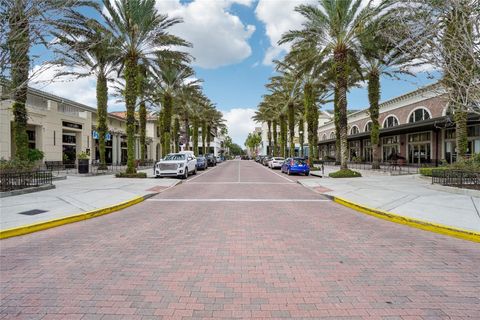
{"x":62,"y":128}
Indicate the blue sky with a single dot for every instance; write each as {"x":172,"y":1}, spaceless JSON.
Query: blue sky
{"x":234,"y":43}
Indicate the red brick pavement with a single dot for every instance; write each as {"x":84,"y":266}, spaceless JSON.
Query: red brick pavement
{"x":238,"y":260}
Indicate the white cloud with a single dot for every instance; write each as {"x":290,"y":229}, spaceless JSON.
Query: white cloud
{"x":279,"y":16}
{"x":82,"y":90}
{"x":239,"y":123}
{"x":218,"y":36}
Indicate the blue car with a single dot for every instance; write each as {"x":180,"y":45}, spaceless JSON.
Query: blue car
{"x":202,"y":163}
{"x":296,"y":165}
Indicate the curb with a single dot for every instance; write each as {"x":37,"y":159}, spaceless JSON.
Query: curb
{"x":415,"y":223}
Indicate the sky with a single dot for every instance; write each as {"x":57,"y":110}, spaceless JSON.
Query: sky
{"x":234,"y":43}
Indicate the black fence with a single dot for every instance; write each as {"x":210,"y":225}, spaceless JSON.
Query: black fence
{"x":392,"y":167}
{"x":10,"y":181}
{"x":456,"y":178}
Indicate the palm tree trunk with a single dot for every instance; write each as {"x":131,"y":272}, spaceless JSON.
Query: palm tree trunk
{"x":204,"y":136}
{"x":374,"y":110}
{"x":275,"y":144}
{"x":301,"y":136}
{"x":311,"y":115}
{"x":130,"y":101}
{"x":269,"y":133}
{"x":176,"y":130}
{"x":195,"y":136}
{"x":102,"y":98}
{"x":208,"y":139}
{"x":340,"y":57}
{"x":336,"y":118}
{"x":142,"y":114}
{"x":167,"y":122}
{"x":291,"y":128}
{"x":18,"y":41}
{"x":283,"y":136}
{"x":187,"y":131}
{"x":461,"y":133}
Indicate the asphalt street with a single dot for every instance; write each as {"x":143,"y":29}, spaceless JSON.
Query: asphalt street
{"x":238,"y":241}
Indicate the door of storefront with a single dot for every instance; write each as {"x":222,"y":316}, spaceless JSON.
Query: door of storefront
{"x":419,"y":148}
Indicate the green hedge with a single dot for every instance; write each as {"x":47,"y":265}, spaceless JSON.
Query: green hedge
{"x":131,"y":175}
{"x":345,"y":173}
{"x":427,"y":172}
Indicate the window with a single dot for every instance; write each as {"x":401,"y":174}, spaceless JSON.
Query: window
{"x":332,"y":135}
{"x":355,"y":150}
{"x":354,"y":130}
{"x":390,"y":147}
{"x":368,"y":126}
{"x":390,"y":121}
{"x":419,"y":115}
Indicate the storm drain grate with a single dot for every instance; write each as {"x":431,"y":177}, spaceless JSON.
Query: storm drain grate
{"x":32,"y":212}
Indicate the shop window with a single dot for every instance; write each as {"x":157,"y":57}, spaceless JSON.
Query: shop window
{"x":419,"y":137}
{"x":390,"y":121}
{"x":354,"y":130}
{"x":450,"y":134}
{"x":390,"y":148}
{"x":419,"y":115}
{"x":71,"y":139}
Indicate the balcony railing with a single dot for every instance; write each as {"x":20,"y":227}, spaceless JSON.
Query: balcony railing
{"x":456,"y":178}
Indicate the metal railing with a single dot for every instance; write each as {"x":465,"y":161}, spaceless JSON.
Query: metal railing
{"x":392,"y":167}
{"x":456,"y":178}
{"x":24,"y":179}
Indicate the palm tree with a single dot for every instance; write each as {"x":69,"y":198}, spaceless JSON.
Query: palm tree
{"x":169,"y":76}
{"x":262,"y":115}
{"x":86,"y":46}
{"x":141,"y":35}
{"x":334,"y":27}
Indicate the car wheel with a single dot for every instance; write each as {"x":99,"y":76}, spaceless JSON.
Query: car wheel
{"x":307,"y":173}
{"x":185,"y":175}
{"x":288,"y":172}
{"x":195,"y":171}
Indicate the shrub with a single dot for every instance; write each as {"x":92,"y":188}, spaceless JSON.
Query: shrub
{"x":15,"y":165}
{"x":428,"y":171}
{"x":131,"y":175}
{"x":345,"y":173}
{"x":35,"y":155}
{"x":83,"y":156}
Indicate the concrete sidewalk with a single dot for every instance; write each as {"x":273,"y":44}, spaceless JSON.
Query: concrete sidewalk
{"x":76,"y":195}
{"x":410,"y":196}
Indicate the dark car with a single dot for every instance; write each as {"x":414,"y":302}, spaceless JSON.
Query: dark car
{"x":202,"y":163}
{"x":265,"y":160}
{"x":211,"y":160}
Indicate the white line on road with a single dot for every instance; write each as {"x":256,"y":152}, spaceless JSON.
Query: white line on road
{"x":242,"y":182}
{"x":240,"y":200}
{"x":271,"y":170}
{"x":201,"y":174}
{"x":238,"y":171}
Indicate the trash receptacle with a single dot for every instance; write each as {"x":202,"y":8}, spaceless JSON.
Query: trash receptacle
{"x":83,"y":165}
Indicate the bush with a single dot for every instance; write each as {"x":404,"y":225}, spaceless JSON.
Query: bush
{"x":15,"y":165}
{"x":131,"y":175}
{"x":35,"y":155}
{"x":345,"y":173}
{"x":427,"y":172}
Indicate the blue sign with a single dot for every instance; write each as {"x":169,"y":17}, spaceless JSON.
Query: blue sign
{"x":108,"y":135}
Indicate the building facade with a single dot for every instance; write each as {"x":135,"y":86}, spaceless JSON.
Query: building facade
{"x":62,"y":128}
{"x":416,"y":128}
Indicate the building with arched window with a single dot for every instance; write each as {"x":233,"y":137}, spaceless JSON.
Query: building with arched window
{"x":415,"y":128}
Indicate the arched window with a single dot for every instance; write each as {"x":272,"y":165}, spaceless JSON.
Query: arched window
{"x":332,"y":135}
{"x":419,"y":115}
{"x":390,"y":121}
{"x":368,"y":126}
{"x":324,"y":137}
{"x":354,"y":130}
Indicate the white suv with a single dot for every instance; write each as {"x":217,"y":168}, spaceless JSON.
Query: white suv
{"x":177,"y":164}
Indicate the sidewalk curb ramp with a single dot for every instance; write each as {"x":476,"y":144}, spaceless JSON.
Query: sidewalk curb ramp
{"x":18,"y":231}
{"x":415,"y":223}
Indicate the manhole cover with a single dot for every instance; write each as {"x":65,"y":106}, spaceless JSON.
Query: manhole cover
{"x":32,"y":212}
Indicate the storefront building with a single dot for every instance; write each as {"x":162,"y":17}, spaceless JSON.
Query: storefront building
{"x":62,"y":128}
{"x":416,"y":128}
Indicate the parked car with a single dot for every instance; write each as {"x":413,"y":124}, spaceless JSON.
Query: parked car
{"x":177,"y":164}
{"x":202,"y":163}
{"x":295,"y":165}
{"x":219,"y":159}
{"x":211,"y":160}
{"x":276,"y":162}
{"x":265,"y":160}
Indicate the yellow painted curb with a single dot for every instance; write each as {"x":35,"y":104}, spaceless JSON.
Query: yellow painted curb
{"x":416,"y":223}
{"x":18,"y":231}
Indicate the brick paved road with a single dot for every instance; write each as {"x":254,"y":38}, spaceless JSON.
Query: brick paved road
{"x":240,"y":257}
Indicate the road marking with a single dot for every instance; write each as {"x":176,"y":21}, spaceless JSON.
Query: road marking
{"x":271,"y":170}
{"x":201,"y":174}
{"x":238,"y":171}
{"x":242,"y":182}
{"x":240,"y":200}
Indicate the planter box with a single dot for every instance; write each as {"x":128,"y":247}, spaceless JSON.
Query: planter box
{"x":83,"y":165}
